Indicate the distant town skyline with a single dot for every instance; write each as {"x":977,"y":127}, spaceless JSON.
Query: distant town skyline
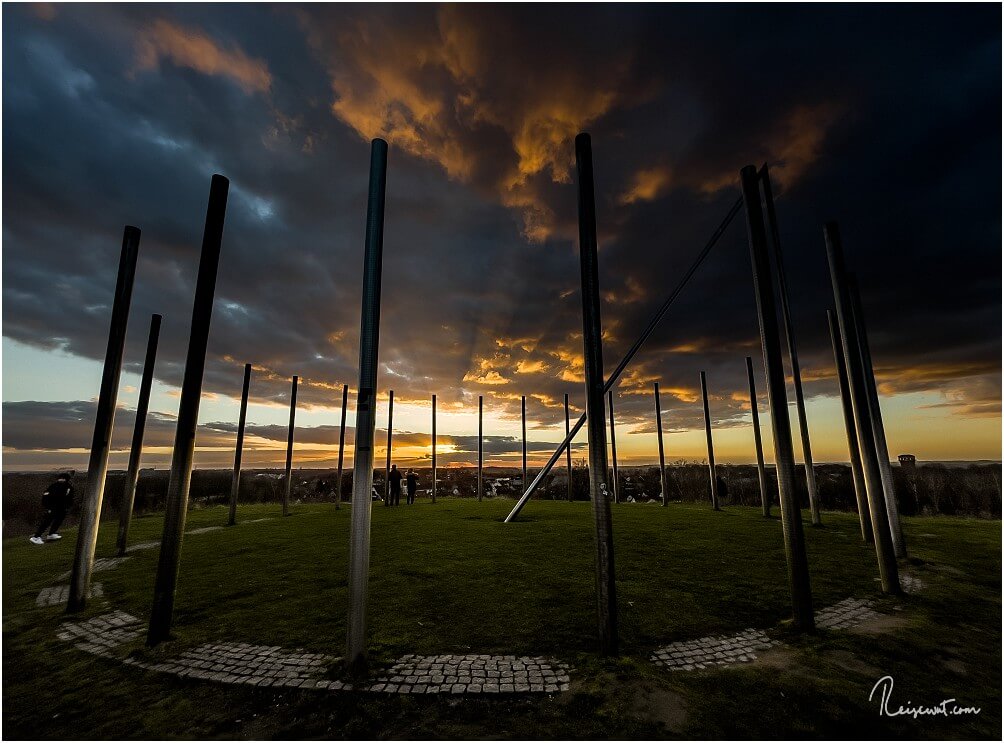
{"x":119,"y":114}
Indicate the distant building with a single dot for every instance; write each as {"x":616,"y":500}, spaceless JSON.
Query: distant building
{"x":908,"y":461}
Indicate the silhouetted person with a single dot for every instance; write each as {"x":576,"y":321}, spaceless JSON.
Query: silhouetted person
{"x":412,"y":480}
{"x":723,"y":489}
{"x":56,"y":500}
{"x":395,"y":486}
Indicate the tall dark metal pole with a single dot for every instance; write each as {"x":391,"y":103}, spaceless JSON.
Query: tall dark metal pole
{"x":433,"y":448}
{"x":235,"y":481}
{"x":615,"y":374}
{"x":663,"y":483}
{"x":104,"y":420}
{"x":606,"y":593}
{"x":784,"y":456}
{"x":481,"y":447}
{"x":568,"y":453}
{"x":362,"y":478}
{"x":857,"y":474}
{"x":711,"y":445}
{"x":169,"y":560}
{"x":341,"y":448}
{"x":884,"y":551}
{"x":132,"y":474}
{"x":613,"y":447}
{"x":803,"y":426}
{"x":761,"y":470}
{"x":289,"y":448}
{"x":523,"y":410}
{"x":881,"y":448}
{"x":390,"y":445}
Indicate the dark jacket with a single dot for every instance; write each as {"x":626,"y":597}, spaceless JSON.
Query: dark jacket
{"x":412,"y":482}
{"x":58,"y":495}
{"x":395,"y":479}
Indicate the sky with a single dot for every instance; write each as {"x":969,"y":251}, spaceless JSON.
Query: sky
{"x":884,"y":118}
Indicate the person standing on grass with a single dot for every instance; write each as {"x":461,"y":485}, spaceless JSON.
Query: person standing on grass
{"x":412,"y":479}
{"x":56,"y":500}
{"x":395,"y":486}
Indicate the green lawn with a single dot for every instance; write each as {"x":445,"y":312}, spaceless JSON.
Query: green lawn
{"x":453,"y":578}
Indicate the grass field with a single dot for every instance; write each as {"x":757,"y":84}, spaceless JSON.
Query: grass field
{"x":452,"y":578}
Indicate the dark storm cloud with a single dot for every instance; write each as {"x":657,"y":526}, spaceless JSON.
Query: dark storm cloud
{"x":885,"y":118}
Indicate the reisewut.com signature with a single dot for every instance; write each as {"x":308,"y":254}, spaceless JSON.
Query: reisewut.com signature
{"x":945,"y":708}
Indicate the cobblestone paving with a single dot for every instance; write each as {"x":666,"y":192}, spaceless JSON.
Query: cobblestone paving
{"x":713,"y":651}
{"x":103,"y":633}
{"x":102,"y":563}
{"x":204,"y":530}
{"x":910,"y":583}
{"x":473,"y":674}
{"x":56,"y":595}
{"x":253,"y":665}
{"x":847,"y":613}
{"x":142,"y":546}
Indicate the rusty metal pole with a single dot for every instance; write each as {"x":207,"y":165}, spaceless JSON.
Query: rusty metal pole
{"x":104,"y":420}
{"x":341,"y":448}
{"x":235,"y":481}
{"x":433,"y":448}
{"x":761,"y":470}
{"x":568,"y":453}
{"x":803,"y":426}
{"x":523,"y":409}
{"x":663,"y":483}
{"x":390,"y":444}
{"x":481,"y":446}
{"x":881,"y":448}
{"x":180,"y":480}
{"x":784,"y":455}
{"x":854,"y":453}
{"x":362,"y":461}
{"x":613,"y":447}
{"x":289,"y":449}
{"x":132,"y":474}
{"x":606,"y":593}
{"x":885,"y":553}
{"x":711,"y":445}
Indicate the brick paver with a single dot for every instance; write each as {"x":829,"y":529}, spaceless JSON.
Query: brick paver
{"x":55,"y":595}
{"x":713,"y":651}
{"x":473,"y":674}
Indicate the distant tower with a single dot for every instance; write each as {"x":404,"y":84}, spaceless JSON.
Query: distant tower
{"x":908,"y":461}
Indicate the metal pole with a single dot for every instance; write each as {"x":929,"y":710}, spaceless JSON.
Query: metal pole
{"x":784,"y":456}
{"x":711,"y":445}
{"x":433,"y":448}
{"x":568,"y":453}
{"x":104,"y":420}
{"x":761,"y":470}
{"x":341,"y":448}
{"x":884,"y":551}
{"x":132,"y":474}
{"x":235,"y":481}
{"x":613,"y":447}
{"x":592,"y":353}
{"x":362,"y":478}
{"x":523,"y":408}
{"x":857,"y":474}
{"x":289,"y":449}
{"x":803,"y":426}
{"x":176,"y":510}
{"x":612,"y":379}
{"x":663,"y":484}
{"x":390,"y":443}
{"x":881,"y":448}
{"x":481,"y":446}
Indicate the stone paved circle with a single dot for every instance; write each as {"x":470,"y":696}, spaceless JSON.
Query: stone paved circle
{"x":55,"y":595}
{"x":713,"y":651}
{"x":847,"y":613}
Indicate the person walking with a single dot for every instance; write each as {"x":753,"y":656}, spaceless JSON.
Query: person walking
{"x":395,"y":486}
{"x":412,"y":479}
{"x":56,"y":500}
